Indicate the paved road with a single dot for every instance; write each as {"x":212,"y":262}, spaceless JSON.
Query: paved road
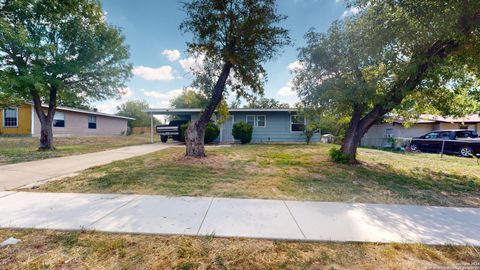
{"x":270,"y":219}
{"x":17,"y":175}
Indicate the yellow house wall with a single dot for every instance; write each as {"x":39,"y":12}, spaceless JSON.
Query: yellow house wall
{"x":24,"y":122}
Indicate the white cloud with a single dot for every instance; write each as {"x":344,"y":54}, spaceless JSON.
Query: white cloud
{"x":287,"y":90}
{"x":126,"y":92}
{"x":163,"y":73}
{"x":295,"y":66}
{"x":172,"y":55}
{"x":163,"y":97}
{"x":349,"y":12}
{"x":192,"y":64}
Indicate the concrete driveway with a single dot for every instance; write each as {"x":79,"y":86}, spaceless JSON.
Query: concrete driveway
{"x":21,"y":174}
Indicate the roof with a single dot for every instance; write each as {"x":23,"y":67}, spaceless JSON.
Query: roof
{"x":195,"y":110}
{"x":430,"y":118}
{"x":68,"y":109}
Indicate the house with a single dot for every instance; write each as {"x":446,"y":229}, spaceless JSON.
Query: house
{"x":378,"y":134}
{"x":22,"y":120}
{"x":269,"y":125}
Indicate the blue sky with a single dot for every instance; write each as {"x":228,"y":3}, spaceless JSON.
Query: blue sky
{"x":158,"y":50}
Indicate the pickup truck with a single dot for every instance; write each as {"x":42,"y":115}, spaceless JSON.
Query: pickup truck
{"x":172,"y":130}
{"x":457,"y":142}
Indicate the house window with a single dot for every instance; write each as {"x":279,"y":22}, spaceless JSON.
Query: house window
{"x":92,"y":122}
{"x":59,"y":119}
{"x":10,"y":117}
{"x":389,"y":132}
{"x":257,"y":120}
{"x":297,"y":123}
{"x":251,"y":120}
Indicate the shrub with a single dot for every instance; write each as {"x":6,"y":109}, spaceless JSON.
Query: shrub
{"x":337,"y":156}
{"x":242,"y":131}
{"x":211,"y":133}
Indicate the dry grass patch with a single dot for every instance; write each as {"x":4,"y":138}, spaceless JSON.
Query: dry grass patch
{"x":88,"y":250}
{"x":22,"y":149}
{"x":296,"y":172}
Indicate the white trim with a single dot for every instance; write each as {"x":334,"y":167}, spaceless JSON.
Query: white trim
{"x":304,"y":122}
{"x":3,"y":114}
{"x":255,"y":120}
{"x":32,"y":124}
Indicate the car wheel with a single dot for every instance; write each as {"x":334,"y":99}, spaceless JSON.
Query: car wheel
{"x":466,"y":151}
{"x":414,"y":147}
{"x":164,"y":139}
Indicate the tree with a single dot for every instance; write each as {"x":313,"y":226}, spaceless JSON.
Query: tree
{"x":135,"y":109}
{"x":235,"y":37}
{"x":394,"y":56}
{"x":190,"y":99}
{"x":266,"y":103}
{"x":59,"y":52}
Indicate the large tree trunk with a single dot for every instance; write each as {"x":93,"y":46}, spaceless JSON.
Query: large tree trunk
{"x":195,"y":134}
{"x":46,"y":120}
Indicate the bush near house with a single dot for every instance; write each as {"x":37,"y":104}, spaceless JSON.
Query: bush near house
{"x":242,"y":131}
{"x":211,"y":133}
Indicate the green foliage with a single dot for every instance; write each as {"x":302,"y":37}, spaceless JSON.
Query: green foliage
{"x":211,"y":133}
{"x":243,"y":33}
{"x":336,"y":155}
{"x":265,"y":103}
{"x":190,"y":99}
{"x":242,"y":131}
{"x":133,"y":109}
{"x":61,"y":47}
{"x":310,"y":129}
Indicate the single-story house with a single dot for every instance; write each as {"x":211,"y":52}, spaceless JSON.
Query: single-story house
{"x":378,"y":134}
{"x":269,"y":125}
{"x":22,"y":120}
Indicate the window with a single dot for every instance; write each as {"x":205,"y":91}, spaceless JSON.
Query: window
{"x":389,"y":132}
{"x":251,"y":120}
{"x":432,"y":135}
{"x":257,"y":120}
{"x":10,"y":117}
{"x":59,"y":119}
{"x":297,"y":123}
{"x":445,"y":135}
{"x":467,"y":134}
{"x":92,"y":122}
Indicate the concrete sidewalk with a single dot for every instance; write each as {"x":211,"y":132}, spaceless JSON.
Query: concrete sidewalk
{"x":271,"y":219}
{"x":17,"y":175}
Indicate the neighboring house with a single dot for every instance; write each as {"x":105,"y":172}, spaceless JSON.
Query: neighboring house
{"x":378,"y":134}
{"x":269,"y":125}
{"x":23,"y":120}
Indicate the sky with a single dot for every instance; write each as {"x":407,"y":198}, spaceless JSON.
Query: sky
{"x":161,"y":66}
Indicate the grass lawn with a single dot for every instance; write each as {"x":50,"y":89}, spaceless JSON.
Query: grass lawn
{"x":296,"y":172}
{"x":21,"y":149}
{"x":89,"y":250}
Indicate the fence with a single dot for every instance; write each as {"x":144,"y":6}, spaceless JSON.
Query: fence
{"x":140,"y":130}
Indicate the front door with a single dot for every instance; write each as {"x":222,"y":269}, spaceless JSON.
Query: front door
{"x":227,"y":126}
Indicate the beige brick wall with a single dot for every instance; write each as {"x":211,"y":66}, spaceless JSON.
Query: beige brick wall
{"x":76,"y":124}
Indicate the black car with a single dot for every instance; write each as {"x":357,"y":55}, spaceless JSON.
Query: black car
{"x":172,"y":130}
{"x":457,"y":142}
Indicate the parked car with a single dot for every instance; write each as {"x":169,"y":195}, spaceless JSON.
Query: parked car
{"x":172,"y":130}
{"x":465,"y":143}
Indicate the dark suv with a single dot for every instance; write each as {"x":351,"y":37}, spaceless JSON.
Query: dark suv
{"x":458,"y":142}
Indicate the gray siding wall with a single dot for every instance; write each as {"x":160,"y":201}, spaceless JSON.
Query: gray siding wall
{"x":76,"y":124}
{"x":277,"y":128}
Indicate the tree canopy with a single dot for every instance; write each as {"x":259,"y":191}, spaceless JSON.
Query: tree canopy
{"x":393,"y":57}
{"x":134,"y":109}
{"x":59,"y":52}
{"x":190,"y":99}
{"x":235,"y":38}
{"x":265,"y":103}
